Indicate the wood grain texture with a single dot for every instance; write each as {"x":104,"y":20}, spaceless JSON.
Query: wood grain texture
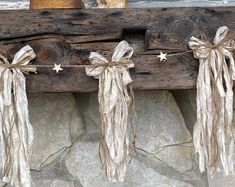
{"x":68,"y":36}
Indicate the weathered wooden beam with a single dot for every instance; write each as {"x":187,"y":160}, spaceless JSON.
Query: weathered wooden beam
{"x":68,"y":36}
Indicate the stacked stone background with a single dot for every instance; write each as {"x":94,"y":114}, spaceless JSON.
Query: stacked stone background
{"x":66,"y":128}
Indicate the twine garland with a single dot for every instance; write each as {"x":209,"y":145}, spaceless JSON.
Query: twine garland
{"x":113,"y":104}
{"x":213,"y":138}
{"x":16,"y":133}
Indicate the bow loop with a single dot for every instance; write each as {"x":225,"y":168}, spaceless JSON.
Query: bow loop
{"x":201,"y":48}
{"x":98,"y":64}
{"x":229,"y":45}
{"x":24,"y":56}
{"x":121,"y":58}
{"x":122,"y":52}
{"x":220,"y":35}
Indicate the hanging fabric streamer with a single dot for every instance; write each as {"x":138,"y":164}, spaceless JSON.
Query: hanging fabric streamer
{"x":16,"y":133}
{"x":213,"y":138}
{"x":113,"y":100}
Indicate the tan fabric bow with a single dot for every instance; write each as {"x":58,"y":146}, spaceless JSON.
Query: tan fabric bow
{"x":16,"y":133}
{"x":213,"y":138}
{"x":114,"y":100}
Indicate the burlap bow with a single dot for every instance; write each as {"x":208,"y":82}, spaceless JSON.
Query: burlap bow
{"x":16,"y":133}
{"x":114,"y":100}
{"x":213,"y":138}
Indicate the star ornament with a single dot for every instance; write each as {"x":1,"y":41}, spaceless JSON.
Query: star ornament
{"x":57,"y":68}
{"x":162,"y":56}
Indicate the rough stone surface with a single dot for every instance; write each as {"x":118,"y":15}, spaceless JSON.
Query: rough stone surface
{"x":54,"y":175}
{"x":162,"y":141}
{"x":51,"y":116}
{"x":161,"y":130}
{"x":219,"y":180}
{"x":54,"y":183}
{"x":83,"y":162}
{"x":89,"y":110}
{"x":192,"y":97}
{"x":186,"y":100}
{"x":158,"y":122}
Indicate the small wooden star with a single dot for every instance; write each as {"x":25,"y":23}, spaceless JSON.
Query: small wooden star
{"x":57,"y":68}
{"x":162,"y":56}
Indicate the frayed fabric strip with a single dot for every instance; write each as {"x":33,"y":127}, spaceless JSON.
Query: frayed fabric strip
{"x":113,"y":104}
{"x":16,"y":133}
{"x":213,"y":138}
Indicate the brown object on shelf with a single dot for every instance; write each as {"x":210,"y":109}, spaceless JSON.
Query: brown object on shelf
{"x":112,"y":3}
{"x":43,"y":4}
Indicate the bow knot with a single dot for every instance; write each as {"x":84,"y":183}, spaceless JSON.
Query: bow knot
{"x":120,"y":60}
{"x":215,"y":54}
{"x":11,"y":74}
{"x":20,"y":61}
{"x":202,"y":48}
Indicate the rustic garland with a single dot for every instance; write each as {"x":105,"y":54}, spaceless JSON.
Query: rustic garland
{"x":213,"y":138}
{"x":16,"y":133}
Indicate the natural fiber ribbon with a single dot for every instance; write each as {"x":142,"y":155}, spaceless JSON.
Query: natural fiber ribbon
{"x":16,"y":133}
{"x":114,"y":100}
{"x":213,"y":138}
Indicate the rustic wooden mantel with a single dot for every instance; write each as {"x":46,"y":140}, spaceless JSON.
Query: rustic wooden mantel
{"x":68,"y":36}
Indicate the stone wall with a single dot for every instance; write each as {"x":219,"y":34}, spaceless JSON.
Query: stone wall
{"x":65,"y":152}
{"x":66,"y":129}
{"x":67,"y":139}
